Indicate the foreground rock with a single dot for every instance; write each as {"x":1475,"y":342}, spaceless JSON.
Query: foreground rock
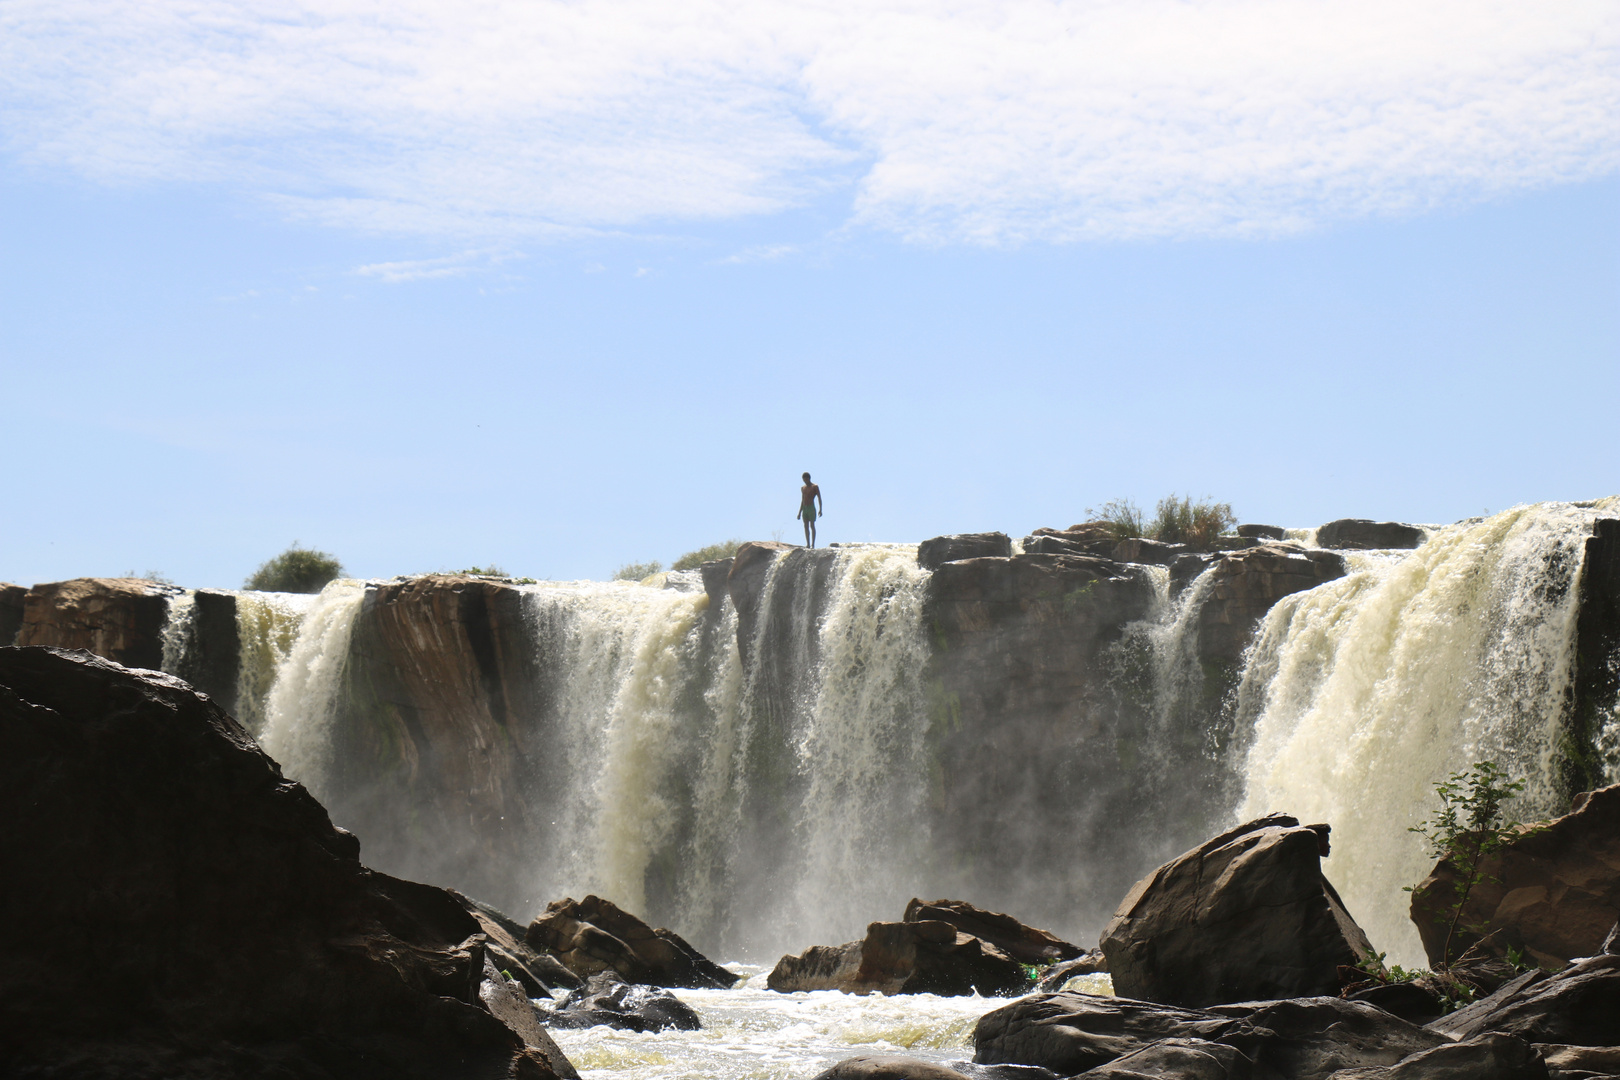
{"x":1552,"y":893}
{"x":1026,"y":944}
{"x":1245,"y":916}
{"x":900,"y":1067}
{"x":593,"y":935}
{"x":11,"y":611}
{"x":904,"y":958}
{"x":233,"y":932}
{"x":1580,"y":1005}
{"x":538,"y":973}
{"x":1364,"y":534}
{"x":1300,"y":1039}
{"x":606,"y":999}
{"x":119,"y":618}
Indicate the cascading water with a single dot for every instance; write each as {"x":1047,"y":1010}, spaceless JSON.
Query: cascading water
{"x":304,"y":696}
{"x":1361,"y":693}
{"x":178,"y":630}
{"x":267,"y":625}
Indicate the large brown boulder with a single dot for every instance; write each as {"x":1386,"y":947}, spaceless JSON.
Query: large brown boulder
{"x":593,"y":935}
{"x":119,"y":618}
{"x":1246,"y":584}
{"x":231,"y":930}
{"x":904,"y":958}
{"x":931,"y":554}
{"x":538,"y":973}
{"x":1026,"y":944}
{"x":1243,"y":917}
{"x":1553,"y":893}
{"x":1365,"y":534}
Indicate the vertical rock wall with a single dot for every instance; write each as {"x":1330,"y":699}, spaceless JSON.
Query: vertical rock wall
{"x":119,"y":618}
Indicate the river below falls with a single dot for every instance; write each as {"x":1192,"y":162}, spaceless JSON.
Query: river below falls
{"x":751,"y":1033}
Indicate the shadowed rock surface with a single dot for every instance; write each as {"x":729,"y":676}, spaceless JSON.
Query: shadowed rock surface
{"x":1364,"y":534}
{"x":11,"y":612}
{"x":1246,"y":584}
{"x":931,"y":554}
{"x":1026,"y":944}
{"x":1579,"y":1005}
{"x":593,"y":935}
{"x":1487,"y":1057}
{"x":1089,"y":964}
{"x":1244,"y":916}
{"x":538,"y":973}
{"x":1552,"y":893}
{"x":900,"y":1067}
{"x":607,"y":1000}
{"x":904,"y":958}
{"x":119,"y":618}
{"x":241,"y":935}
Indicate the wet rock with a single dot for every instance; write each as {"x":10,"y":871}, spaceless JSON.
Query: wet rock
{"x":1026,"y":944}
{"x":1597,"y":642}
{"x":249,"y":941}
{"x":538,"y":973}
{"x":687,"y":581}
{"x":1415,"y":1002}
{"x":1244,"y":916}
{"x":11,"y":612}
{"x":900,"y":1067}
{"x":213,"y":657}
{"x":1578,"y":1006}
{"x":1364,"y":534}
{"x":931,"y":554}
{"x":1177,"y":1059}
{"x":904,"y":958}
{"x":1566,"y":1062}
{"x":1054,"y":977}
{"x":714,"y":575}
{"x":119,"y":618}
{"x":606,"y":999}
{"x":1247,"y":584}
{"x":1139,"y":549}
{"x":1069,"y":1033}
{"x":1551,"y":893}
{"x":594,"y":935}
{"x":1312,"y":1038}
{"x":1263,"y":532}
{"x":1488,"y":1057}
{"x":507,"y":1002}
{"x":1187,"y":568}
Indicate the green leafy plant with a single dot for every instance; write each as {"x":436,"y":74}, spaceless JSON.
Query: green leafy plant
{"x":1466,"y":830}
{"x":725,"y":549}
{"x":637,"y":570}
{"x":1122,"y":517}
{"x":298,"y":570}
{"x":1184,"y":520}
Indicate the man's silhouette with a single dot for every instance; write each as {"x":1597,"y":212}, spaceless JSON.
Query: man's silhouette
{"x":809,"y":497}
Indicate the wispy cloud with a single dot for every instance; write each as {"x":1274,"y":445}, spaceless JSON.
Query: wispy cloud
{"x":761,"y":253}
{"x":460,"y":265}
{"x":970,"y":121}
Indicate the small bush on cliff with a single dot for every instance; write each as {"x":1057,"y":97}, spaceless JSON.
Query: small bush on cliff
{"x":298,"y":569}
{"x":1184,"y":521}
{"x":637,"y":570}
{"x":725,"y":549}
{"x":1122,"y":517}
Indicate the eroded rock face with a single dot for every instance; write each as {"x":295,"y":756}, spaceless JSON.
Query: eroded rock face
{"x":1243,"y":917}
{"x":1597,"y":654}
{"x":1553,"y":893}
{"x":1026,"y":944}
{"x":119,"y":618}
{"x":904,"y":958}
{"x":1246,"y":584}
{"x":1139,"y":549}
{"x":593,"y":935}
{"x":1069,"y":1033}
{"x":1577,"y":1006}
{"x":1365,"y":534}
{"x":1487,"y":1057}
{"x":11,"y":612}
{"x":537,"y":973}
{"x":1262,"y":532}
{"x":931,"y":554}
{"x":246,"y":938}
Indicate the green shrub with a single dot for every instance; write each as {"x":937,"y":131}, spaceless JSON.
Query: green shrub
{"x":298,"y":569}
{"x":725,"y":549}
{"x":637,"y":570}
{"x":1197,"y":524}
{"x":483,"y":571}
{"x":1122,"y":516}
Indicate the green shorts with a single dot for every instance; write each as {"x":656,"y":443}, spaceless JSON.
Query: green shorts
{"x":808,"y":513}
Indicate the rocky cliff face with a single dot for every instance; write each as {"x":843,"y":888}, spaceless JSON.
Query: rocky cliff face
{"x":119,"y":618}
{"x":11,"y":611}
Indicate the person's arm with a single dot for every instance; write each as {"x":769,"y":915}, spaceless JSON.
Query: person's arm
{"x":821,"y":503}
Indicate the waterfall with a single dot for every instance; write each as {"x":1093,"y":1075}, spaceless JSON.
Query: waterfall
{"x":304,"y":695}
{"x":266,"y":627}
{"x":1360,"y":694}
{"x":178,"y":630}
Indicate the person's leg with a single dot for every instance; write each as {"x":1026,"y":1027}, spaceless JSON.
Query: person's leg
{"x":807,"y":528}
{"x":812,"y":534}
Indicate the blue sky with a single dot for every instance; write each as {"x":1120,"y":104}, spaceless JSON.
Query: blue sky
{"x":590,"y":284}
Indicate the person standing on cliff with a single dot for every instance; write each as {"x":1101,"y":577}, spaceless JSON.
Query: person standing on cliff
{"x":809,"y":498}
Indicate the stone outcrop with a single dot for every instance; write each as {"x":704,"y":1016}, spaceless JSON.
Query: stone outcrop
{"x":900,"y":1067}
{"x":1577,"y":1006}
{"x":1246,"y":915}
{"x":1139,"y":549}
{"x":11,"y":612}
{"x":1301,"y":1039}
{"x":119,"y":618}
{"x":1553,"y":893}
{"x":435,"y":757}
{"x":1580,"y":1062}
{"x":1026,"y":944}
{"x":1053,"y":978}
{"x":1364,"y":534}
{"x":1485,"y":1057}
{"x":1263,"y":532}
{"x":1245,"y":585}
{"x":1596,"y":688}
{"x":605,"y":1000}
{"x":931,"y":554}
{"x":904,"y":958}
{"x":537,"y":973}
{"x":593,"y":935}
{"x":233,"y":930}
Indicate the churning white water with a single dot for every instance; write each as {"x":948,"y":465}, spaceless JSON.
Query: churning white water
{"x":1364,"y":692}
{"x":304,"y":697}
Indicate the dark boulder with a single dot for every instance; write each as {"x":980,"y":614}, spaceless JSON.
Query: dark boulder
{"x":1053,"y":978}
{"x":715,"y":573}
{"x":1552,"y":892}
{"x":538,"y":973}
{"x":1023,"y":943}
{"x":1579,"y":1005}
{"x":1263,"y":532}
{"x":931,"y":554}
{"x":1364,"y":534}
{"x":900,"y":1067}
{"x":1416,"y":1002}
{"x":1312,"y":1038}
{"x":1487,"y":1057}
{"x":904,"y":958}
{"x":241,"y":936}
{"x":1247,"y":584}
{"x":119,"y":618}
{"x":1070,"y":1033}
{"x":1245,"y":916}
{"x":1178,"y":1059}
{"x":11,"y":612}
{"x":594,"y":935}
{"x":1566,"y":1062}
{"x":1056,"y":543}
{"x":1189,"y":567}
{"x":606,"y":999}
